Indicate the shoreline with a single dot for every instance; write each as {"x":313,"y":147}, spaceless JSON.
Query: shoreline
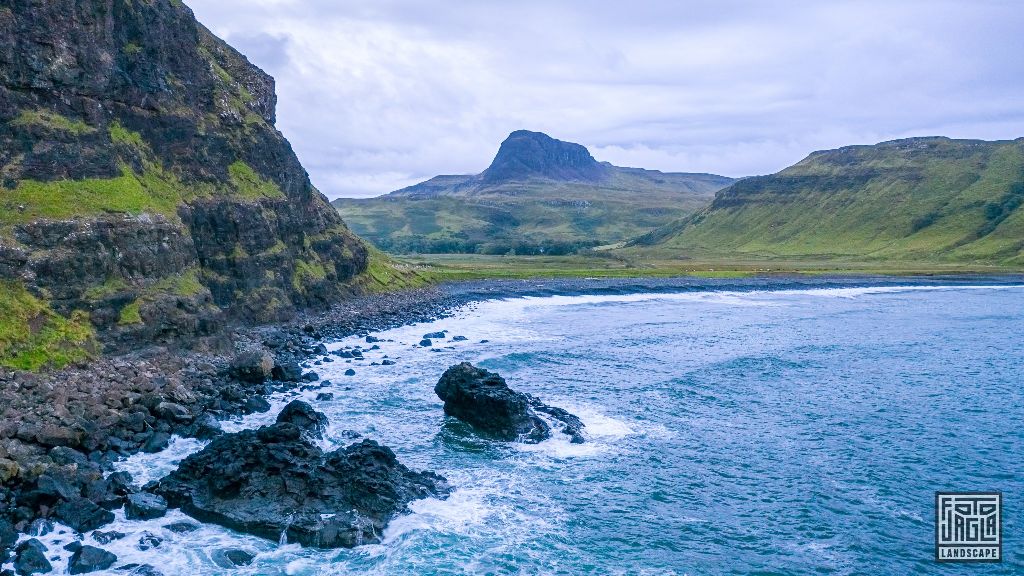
{"x":63,"y":430}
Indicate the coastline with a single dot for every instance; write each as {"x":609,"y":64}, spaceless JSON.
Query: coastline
{"x":63,"y":430}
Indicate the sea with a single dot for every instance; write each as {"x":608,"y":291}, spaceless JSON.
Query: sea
{"x":733,"y":427}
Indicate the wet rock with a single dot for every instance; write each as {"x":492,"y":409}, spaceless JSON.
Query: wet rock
{"x":182,"y":527}
{"x":173,"y":412}
{"x":459,"y":338}
{"x":350,"y":372}
{"x":207,"y":426}
{"x":252,"y":366}
{"x":107,"y":537}
{"x":435,"y":335}
{"x":324,"y":396}
{"x":387,"y":362}
{"x":275,"y":481}
{"x":83,"y":515}
{"x":148,"y":540}
{"x":145,"y":506}
{"x":304,"y":417}
{"x":8,"y":536}
{"x":426,"y":343}
{"x":40,"y":527}
{"x":157,"y":442}
{"x":372,"y":339}
{"x":483,"y":400}
{"x":287,"y":371}
{"x":232,"y":558}
{"x":140,"y":570}
{"x":31,"y":558}
{"x":310,"y":376}
{"x":256,"y":404}
{"x":90,"y":559}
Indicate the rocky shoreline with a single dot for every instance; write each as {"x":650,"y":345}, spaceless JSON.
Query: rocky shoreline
{"x":61,"y":432}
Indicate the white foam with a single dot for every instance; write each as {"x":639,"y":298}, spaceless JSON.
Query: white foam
{"x":147,"y":467}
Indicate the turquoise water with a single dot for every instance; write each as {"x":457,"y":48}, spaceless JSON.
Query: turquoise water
{"x":730,"y":432}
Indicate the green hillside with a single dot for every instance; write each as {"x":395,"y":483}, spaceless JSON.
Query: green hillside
{"x":540,"y":195}
{"x":919,"y":199}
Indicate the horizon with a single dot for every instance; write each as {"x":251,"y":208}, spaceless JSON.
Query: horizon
{"x":378,"y":96}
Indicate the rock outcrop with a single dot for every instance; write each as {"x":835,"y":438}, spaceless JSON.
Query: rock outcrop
{"x":483,"y":400}
{"x":274,"y":482}
{"x":144,"y":183}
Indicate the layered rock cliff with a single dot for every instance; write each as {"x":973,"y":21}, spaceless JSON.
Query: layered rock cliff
{"x":144,"y":190}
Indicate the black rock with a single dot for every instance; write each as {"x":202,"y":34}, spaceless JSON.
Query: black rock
{"x":387,"y":362}
{"x":157,"y":442}
{"x":435,"y":335}
{"x":31,"y":558}
{"x":181,"y":527}
{"x":275,"y":480}
{"x":232,"y":558}
{"x":149,"y":540}
{"x":82,"y":515}
{"x":252,"y":366}
{"x":145,"y":506}
{"x":90,"y":559}
{"x":107,"y":537}
{"x":459,"y":338}
{"x":256,"y":404}
{"x":372,"y":339}
{"x":484,"y":341}
{"x":350,"y":372}
{"x":343,"y":354}
{"x":40,"y":527}
{"x":304,"y":417}
{"x":140,"y":570}
{"x":73,"y":546}
{"x":8,"y":536}
{"x":320,"y":349}
{"x":426,"y":343}
{"x":310,"y":376}
{"x":325,"y":396}
{"x":287,"y":371}
{"x":483,"y":400}
{"x":207,"y":426}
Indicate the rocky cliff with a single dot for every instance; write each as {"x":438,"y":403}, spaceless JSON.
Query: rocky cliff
{"x":146,"y":193}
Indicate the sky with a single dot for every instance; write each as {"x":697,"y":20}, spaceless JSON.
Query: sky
{"x":376,"y":95}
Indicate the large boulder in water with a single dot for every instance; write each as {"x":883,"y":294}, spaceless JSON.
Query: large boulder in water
{"x":483,"y":400}
{"x":274,"y":481}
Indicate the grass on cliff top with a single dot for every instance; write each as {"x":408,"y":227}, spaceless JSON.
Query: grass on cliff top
{"x":33,"y":336}
{"x":386,"y":274}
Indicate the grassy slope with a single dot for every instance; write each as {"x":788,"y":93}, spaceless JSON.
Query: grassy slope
{"x":914,"y":200}
{"x":522,"y":217}
{"x":33,"y":336}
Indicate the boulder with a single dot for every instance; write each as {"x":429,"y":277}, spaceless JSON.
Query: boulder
{"x":31,"y":558}
{"x":107,"y":537}
{"x":459,"y":338}
{"x":287,"y":371}
{"x":232,"y":558}
{"x":275,"y":482}
{"x":149,"y":540}
{"x":483,"y":400}
{"x":90,"y":559}
{"x":305,"y":417}
{"x":82,"y":515}
{"x":140,"y":570}
{"x":181,"y":527}
{"x":426,"y":343}
{"x":252,"y":366}
{"x":350,"y":372}
{"x":145,"y":506}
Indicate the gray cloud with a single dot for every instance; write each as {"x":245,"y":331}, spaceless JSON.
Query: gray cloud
{"x":379,"y":94}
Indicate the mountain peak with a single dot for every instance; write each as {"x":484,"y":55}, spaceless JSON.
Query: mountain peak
{"x":526,"y":155}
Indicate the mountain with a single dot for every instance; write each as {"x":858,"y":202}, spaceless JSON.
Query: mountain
{"x":923,"y":199}
{"x":146,"y":193}
{"x":539,"y":195}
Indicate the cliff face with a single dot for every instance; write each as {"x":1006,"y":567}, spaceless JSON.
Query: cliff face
{"x":143,"y":181}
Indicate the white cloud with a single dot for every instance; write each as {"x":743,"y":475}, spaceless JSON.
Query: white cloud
{"x":378,"y":94}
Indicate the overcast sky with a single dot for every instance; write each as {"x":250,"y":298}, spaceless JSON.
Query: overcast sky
{"x":375,"y":95}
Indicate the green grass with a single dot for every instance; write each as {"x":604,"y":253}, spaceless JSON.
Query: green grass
{"x":52,"y":121}
{"x":385,"y":273}
{"x":532,"y":217}
{"x":33,"y":336}
{"x":935,"y":200}
{"x":131,"y":314}
{"x":129,"y":193}
{"x":248,"y":184}
{"x":455,"y":267}
{"x":307,"y":272}
{"x":121,"y":135}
